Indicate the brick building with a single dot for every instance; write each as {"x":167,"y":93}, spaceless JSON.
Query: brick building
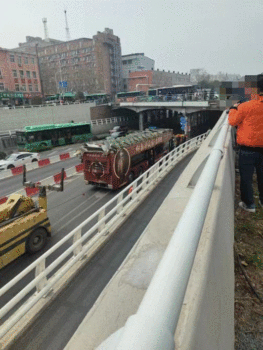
{"x":88,"y":65}
{"x":19,"y":77}
{"x":144,"y":80}
{"x":134,"y":62}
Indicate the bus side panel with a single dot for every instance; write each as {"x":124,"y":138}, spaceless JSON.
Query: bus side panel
{"x":38,"y":146}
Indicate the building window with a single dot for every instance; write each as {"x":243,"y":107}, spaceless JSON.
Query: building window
{"x":14,"y":73}
{"x":2,"y":87}
{"x":21,"y":72}
{"x":0,"y":73}
{"x":32,"y":60}
{"x":12,"y":58}
{"x":124,"y":62}
{"x":36,"y":87}
{"x":129,"y":61}
{"x":34,"y":75}
{"x":26,"y":60}
{"x":30,"y":87}
{"x":28,"y":74}
{"x":23,"y":88}
{"x":17,"y":87}
{"x":19,"y":60}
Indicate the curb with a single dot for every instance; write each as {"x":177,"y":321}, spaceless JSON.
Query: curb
{"x":35,"y":165}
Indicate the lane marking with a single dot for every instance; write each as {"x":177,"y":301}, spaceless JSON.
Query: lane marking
{"x":58,"y":221}
{"x":80,"y":213}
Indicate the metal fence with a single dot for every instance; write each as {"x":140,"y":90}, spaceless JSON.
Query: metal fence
{"x":200,"y":96}
{"x":79,"y":244}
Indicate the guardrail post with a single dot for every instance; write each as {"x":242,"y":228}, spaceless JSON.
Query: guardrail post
{"x":120,"y":198}
{"x":134,"y":192}
{"x":156,"y":172}
{"x":76,"y":237}
{"x":101,"y":216}
{"x":144,"y":182}
{"x":39,"y":269}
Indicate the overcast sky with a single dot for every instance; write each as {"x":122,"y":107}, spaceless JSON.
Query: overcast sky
{"x":221,"y":35}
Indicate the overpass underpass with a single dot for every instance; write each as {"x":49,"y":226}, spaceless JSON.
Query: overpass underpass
{"x":56,"y":325}
{"x":200,"y":116}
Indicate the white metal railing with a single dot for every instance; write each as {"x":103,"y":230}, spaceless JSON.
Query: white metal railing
{"x":160,"y":308}
{"x":79,"y":247}
{"x":109,"y":120}
{"x":52,"y":104}
{"x":197,"y":96}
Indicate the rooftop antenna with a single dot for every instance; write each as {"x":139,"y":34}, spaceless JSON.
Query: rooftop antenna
{"x":45,"y":29}
{"x":67,"y":28}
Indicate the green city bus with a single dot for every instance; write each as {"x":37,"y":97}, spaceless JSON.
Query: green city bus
{"x":42,"y":137}
{"x":97,"y":97}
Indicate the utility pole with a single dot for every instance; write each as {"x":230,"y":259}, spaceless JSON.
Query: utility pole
{"x":40,"y":78}
{"x":44,"y":20}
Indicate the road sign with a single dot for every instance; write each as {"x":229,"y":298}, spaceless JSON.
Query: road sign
{"x":183,"y":123}
{"x":63,"y":84}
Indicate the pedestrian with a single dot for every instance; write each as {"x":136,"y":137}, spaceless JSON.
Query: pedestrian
{"x":248,"y":117}
{"x":130,"y":191}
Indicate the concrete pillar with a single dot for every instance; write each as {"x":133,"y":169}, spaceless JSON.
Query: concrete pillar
{"x":141,"y":121}
{"x":149,"y":116}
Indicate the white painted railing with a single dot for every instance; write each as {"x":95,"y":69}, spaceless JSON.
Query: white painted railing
{"x":153,"y":326}
{"x":82,"y":243}
{"x":109,"y":120}
{"x":52,"y":104}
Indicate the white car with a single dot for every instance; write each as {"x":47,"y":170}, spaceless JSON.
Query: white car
{"x":17,"y":159}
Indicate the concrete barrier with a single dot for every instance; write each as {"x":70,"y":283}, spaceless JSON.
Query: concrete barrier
{"x":207,"y":318}
{"x":14,"y":119}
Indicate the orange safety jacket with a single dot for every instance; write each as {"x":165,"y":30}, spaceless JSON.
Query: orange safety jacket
{"x":248,"y":117}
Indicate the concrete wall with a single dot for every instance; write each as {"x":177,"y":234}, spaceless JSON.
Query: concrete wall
{"x":207,"y":318}
{"x":100,"y":112}
{"x":12,"y":119}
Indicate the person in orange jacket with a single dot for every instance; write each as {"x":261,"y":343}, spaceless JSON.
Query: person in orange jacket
{"x":248,"y":118}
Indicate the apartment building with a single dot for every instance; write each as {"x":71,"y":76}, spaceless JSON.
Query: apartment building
{"x":134,"y":62}
{"x":31,"y":42}
{"x":88,"y":65}
{"x":19,"y":77}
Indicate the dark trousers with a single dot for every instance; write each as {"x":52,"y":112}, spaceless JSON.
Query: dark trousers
{"x":248,"y":161}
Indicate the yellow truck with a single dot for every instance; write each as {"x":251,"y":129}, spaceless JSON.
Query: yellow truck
{"x":24,"y":224}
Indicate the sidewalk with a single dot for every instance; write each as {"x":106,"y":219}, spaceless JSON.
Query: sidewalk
{"x":249,"y":247}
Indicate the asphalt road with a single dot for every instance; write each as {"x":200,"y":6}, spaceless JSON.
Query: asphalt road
{"x":11,"y":184}
{"x":56,"y":325}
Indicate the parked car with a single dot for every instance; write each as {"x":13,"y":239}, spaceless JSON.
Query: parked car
{"x":17,"y":159}
{"x":118,"y":131}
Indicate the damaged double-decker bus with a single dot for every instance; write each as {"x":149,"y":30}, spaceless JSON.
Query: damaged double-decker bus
{"x":113,"y":163}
